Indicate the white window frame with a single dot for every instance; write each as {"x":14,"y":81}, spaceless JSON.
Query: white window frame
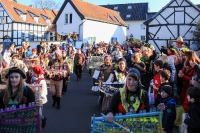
{"x":143,"y":38}
{"x":128,"y":15}
{"x":129,"y":7}
{"x":68,"y":18}
{"x":36,"y":19}
{"x":116,"y":8}
{"x":143,"y":27}
{"x":23,"y":16}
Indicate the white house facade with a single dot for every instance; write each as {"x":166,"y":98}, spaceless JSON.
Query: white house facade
{"x":134,"y":15}
{"x":92,"y":23}
{"x":177,"y":18}
{"x":19,"y":22}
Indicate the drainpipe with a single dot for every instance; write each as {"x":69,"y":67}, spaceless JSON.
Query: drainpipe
{"x":80,"y":27}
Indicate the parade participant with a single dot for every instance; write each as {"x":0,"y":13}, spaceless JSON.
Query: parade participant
{"x":6,"y":57}
{"x":70,"y":52}
{"x":15,"y":62}
{"x":34,"y":53}
{"x":65,"y":79}
{"x":193,"y":119}
{"x":74,"y":38}
{"x":98,"y":52}
{"x":168,"y":105}
{"x":186,"y":74}
{"x":79,"y":61}
{"x":56,"y":81}
{"x":138,"y":64}
{"x":38,"y":78}
{"x":179,"y":62}
{"x":117,"y":54}
{"x":148,"y":56}
{"x":39,"y":47}
{"x":29,"y":52}
{"x":16,"y":93}
{"x":13,"y":48}
{"x":90,"y":51}
{"x":120,"y":73}
{"x":68,"y":39}
{"x":158,"y":66}
{"x":130,"y":98}
{"x":195,"y":82}
{"x":23,"y":49}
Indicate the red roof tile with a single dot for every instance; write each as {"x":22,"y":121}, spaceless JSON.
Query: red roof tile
{"x":96,"y":12}
{"x":10,"y":5}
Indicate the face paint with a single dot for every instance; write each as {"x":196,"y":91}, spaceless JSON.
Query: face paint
{"x":136,"y":84}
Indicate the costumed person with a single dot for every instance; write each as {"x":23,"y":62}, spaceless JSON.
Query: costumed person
{"x":105,"y":71}
{"x":16,"y":93}
{"x":23,"y":49}
{"x":117,"y":54}
{"x":179,"y":62}
{"x":68,"y":39}
{"x":56,"y":80}
{"x":119,"y":74}
{"x":38,"y":78}
{"x":15,"y":62}
{"x":29,"y":52}
{"x":79,"y":61}
{"x":65,"y":67}
{"x":186,"y":74}
{"x":1,"y":60}
{"x":34,"y":53}
{"x":138,"y":64}
{"x":74,"y":38}
{"x":148,"y":56}
{"x":6,"y":57}
{"x":130,"y":98}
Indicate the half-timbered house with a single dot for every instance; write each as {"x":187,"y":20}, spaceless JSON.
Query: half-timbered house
{"x":177,"y":18}
{"x":20,"y":22}
{"x":92,"y":23}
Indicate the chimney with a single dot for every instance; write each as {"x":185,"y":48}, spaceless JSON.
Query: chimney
{"x":31,"y":5}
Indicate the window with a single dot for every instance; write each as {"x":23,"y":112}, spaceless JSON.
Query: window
{"x":68,"y":18}
{"x":36,"y":19}
{"x":23,"y":36}
{"x":129,"y":7}
{"x":113,"y":39}
{"x":116,"y":7}
{"x":3,"y":20}
{"x":143,"y":38}
{"x":142,"y":26}
{"x":128,"y":16}
{"x":48,"y":21}
{"x":23,"y":16}
{"x":31,"y":36}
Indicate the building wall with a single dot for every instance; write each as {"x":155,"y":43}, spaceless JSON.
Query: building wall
{"x":135,"y":28}
{"x":62,"y":27}
{"x":172,"y":22}
{"x":6,"y":24}
{"x":103,"y":31}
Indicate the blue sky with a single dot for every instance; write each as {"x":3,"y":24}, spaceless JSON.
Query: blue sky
{"x":154,"y":5}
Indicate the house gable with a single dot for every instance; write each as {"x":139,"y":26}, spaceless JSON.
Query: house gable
{"x":177,"y":18}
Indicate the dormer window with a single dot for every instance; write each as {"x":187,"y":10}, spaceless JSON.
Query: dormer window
{"x":36,"y":19}
{"x":48,"y":21}
{"x":128,"y":15}
{"x":23,"y":16}
{"x":116,"y":7}
{"x":46,"y":18}
{"x":129,"y":7}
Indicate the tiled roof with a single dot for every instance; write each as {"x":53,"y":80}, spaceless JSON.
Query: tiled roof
{"x":90,"y":11}
{"x":52,"y":28}
{"x":137,"y":11}
{"x":150,"y":14}
{"x":11,"y":6}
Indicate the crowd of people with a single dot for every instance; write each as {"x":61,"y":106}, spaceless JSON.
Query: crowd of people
{"x":172,"y":72}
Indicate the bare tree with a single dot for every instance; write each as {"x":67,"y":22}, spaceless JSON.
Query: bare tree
{"x":46,"y":4}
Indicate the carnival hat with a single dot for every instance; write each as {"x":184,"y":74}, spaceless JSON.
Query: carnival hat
{"x":14,"y":55}
{"x":179,"y":39}
{"x":38,"y":70}
{"x":16,"y":70}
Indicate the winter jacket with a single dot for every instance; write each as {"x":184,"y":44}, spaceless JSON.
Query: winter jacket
{"x":193,"y":121}
{"x":169,"y":114}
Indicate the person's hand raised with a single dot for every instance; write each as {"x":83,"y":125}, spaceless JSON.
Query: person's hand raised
{"x":110,"y":117}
